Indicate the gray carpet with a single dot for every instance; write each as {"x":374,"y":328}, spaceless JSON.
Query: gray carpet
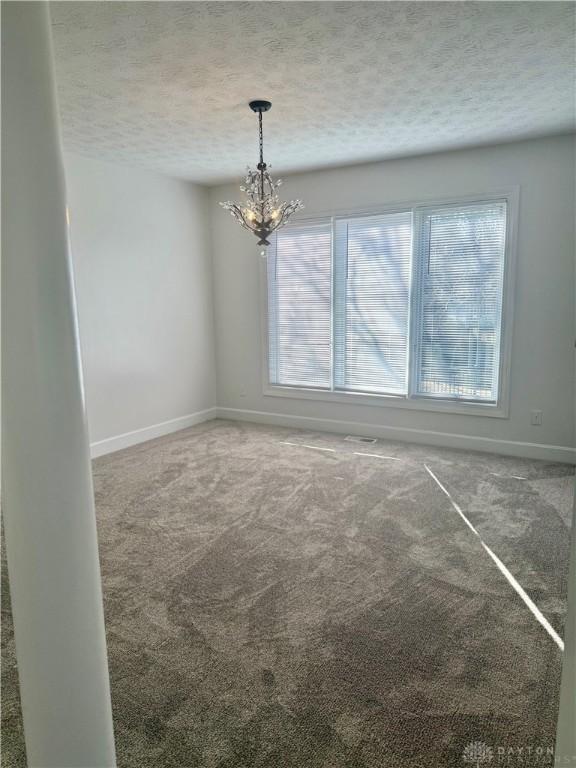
{"x":273,"y":605}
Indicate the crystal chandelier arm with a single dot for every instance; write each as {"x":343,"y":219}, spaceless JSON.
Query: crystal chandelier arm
{"x":238,"y":214}
{"x":285,"y":212}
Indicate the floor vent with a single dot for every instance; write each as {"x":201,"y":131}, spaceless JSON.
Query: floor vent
{"x":360,"y":439}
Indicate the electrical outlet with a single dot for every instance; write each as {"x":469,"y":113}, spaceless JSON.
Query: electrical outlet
{"x":536,"y":418}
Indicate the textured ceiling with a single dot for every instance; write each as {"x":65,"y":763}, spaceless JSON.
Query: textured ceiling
{"x":164,"y":85}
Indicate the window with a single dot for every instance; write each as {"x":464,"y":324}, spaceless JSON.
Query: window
{"x":459,"y":301}
{"x":300,"y":301}
{"x":371,"y":303}
{"x":406,"y":304}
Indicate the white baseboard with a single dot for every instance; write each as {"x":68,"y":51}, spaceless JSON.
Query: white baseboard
{"x":558,"y":453}
{"x":117,"y":443}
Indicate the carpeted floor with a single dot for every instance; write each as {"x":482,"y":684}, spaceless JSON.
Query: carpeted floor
{"x":286,"y":599}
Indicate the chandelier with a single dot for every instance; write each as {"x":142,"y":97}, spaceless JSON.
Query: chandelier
{"x":262,"y":213}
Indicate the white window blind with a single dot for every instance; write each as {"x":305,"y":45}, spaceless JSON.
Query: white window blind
{"x":371,"y":309}
{"x":460,"y":301}
{"x":300,"y":305}
{"x":406,"y":304}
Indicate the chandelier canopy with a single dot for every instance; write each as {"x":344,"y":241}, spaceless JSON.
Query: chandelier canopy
{"x":263,"y":212}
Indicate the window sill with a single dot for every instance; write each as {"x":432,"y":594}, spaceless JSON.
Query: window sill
{"x":389,"y":401}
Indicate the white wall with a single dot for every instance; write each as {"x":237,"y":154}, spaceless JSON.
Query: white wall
{"x":140,"y":247}
{"x":47,"y":495}
{"x":542,"y":347}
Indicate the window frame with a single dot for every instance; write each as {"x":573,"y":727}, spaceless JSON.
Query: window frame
{"x":412,"y":400}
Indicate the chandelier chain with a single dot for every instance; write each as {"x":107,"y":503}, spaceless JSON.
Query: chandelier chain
{"x":261,"y":136}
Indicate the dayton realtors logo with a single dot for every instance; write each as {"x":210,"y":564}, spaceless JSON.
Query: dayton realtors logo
{"x":477,"y":753}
